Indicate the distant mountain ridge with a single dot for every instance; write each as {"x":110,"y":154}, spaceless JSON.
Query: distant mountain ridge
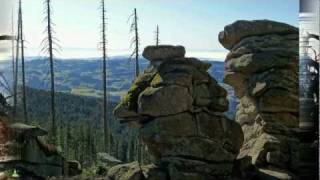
{"x":83,"y":76}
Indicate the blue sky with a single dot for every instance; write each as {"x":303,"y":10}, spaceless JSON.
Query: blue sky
{"x":194,"y":24}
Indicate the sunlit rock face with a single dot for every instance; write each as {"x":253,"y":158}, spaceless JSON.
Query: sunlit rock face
{"x":179,"y":108}
{"x":162,"y":53}
{"x":262,"y":66}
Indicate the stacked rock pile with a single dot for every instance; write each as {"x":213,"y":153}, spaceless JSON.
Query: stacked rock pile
{"x":262,"y":66}
{"x":179,"y":108}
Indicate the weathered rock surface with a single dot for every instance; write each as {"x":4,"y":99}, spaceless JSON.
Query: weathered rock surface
{"x":132,"y":171}
{"x":241,"y":29}
{"x":179,"y":108}
{"x":22,"y":148}
{"x":262,"y":66}
{"x":106,"y":159}
{"x":28,"y":131}
{"x":160,"y":53}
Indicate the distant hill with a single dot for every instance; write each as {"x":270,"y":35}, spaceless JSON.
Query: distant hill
{"x":78,"y":102}
{"x":83,"y":76}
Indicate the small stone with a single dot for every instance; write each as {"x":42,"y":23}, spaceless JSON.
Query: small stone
{"x":274,"y":174}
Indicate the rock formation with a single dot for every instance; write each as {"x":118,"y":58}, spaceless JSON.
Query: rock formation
{"x":262,"y":66}
{"x":179,"y":109}
{"x":107,"y":160}
{"x":24,"y":152}
{"x":132,"y":171}
{"x":23,"y":149}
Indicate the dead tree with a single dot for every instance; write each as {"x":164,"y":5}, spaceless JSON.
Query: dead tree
{"x":16,"y":68}
{"x":157,"y":36}
{"x":24,"y":102}
{"x":106,"y":123}
{"x":135,"y":41}
{"x":12,"y":51}
{"x":50,"y":44}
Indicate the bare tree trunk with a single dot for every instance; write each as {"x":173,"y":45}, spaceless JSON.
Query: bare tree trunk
{"x":15,"y":88}
{"x":137,"y":42}
{"x":25,"y":113}
{"x":50,"y":49}
{"x":104,"y":79}
{"x":157,"y":36}
{"x":12,"y":51}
